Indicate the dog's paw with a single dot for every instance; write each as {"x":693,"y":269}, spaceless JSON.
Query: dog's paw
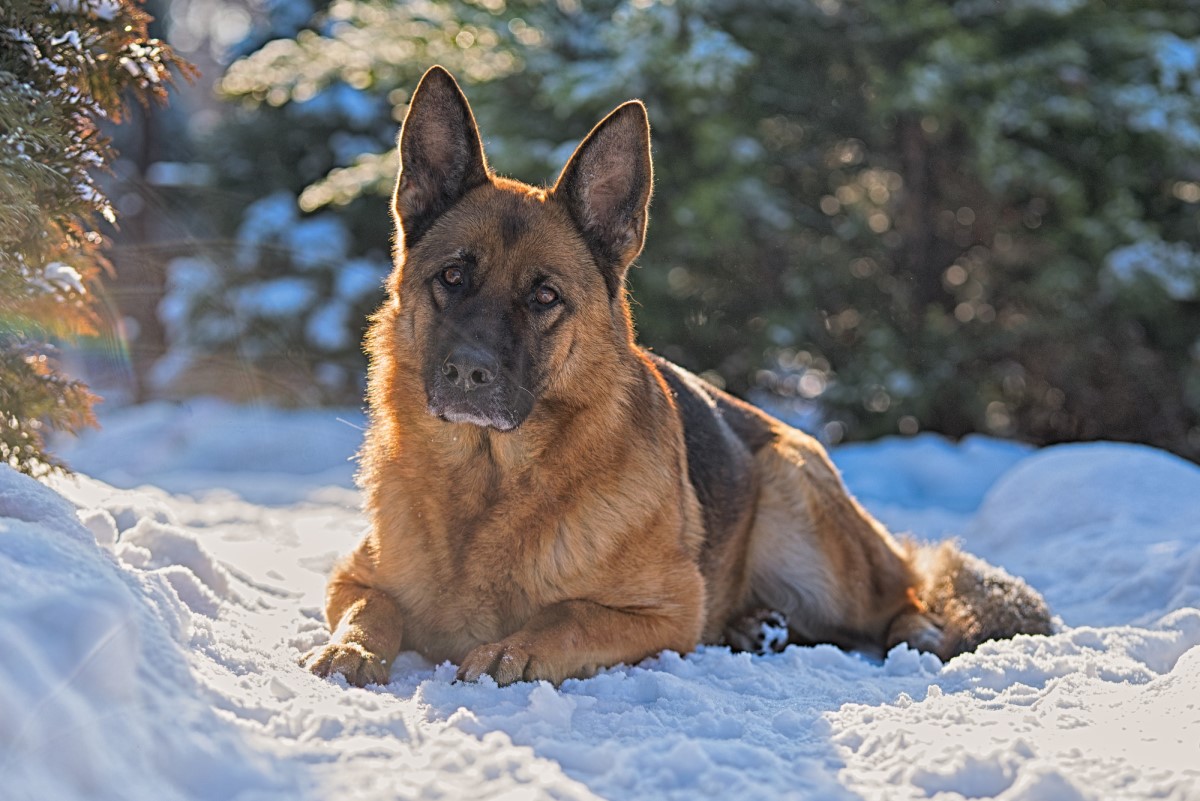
{"x":356,"y":663}
{"x":762,"y":631}
{"x":505,"y":662}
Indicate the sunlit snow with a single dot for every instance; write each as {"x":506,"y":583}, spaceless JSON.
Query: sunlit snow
{"x":152,"y":612}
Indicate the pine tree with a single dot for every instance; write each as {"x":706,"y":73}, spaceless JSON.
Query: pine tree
{"x":64,"y":67}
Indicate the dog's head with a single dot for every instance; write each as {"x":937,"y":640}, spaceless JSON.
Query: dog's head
{"x":503,"y":291}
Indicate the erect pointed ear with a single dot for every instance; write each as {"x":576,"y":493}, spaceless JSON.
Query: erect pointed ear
{"x":441,"y":156}
{"x":606,"y":187}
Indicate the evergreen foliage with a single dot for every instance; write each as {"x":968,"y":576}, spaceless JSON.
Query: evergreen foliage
{"x":64,"y":66}
{"x":908,"y":214}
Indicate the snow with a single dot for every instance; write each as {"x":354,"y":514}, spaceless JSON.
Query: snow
{"x":153,"y":609}
{"x":356,"y":106}
{"x":358,"y":278}
{"x":97,"y":696}
{"x":319,"y":242}
{"x":328,"y":327}
{"x":179,"y":174}
{"x":102,"y":9}
{"x":277,"y":298}
{"x":1134,"y":513}
{"x":1173,"y":265}
{"x":265,"y":455}
{"x":65,"y":277}
{"x":189,"y":280}
{"x":1177,"y":60}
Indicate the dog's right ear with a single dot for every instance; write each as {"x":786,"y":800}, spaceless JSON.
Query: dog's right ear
{"x":441,"y":155}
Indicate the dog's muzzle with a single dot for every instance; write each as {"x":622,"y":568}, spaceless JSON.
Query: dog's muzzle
{"x":471,"y":386}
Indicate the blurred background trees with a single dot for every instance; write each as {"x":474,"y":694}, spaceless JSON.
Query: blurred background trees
{"x":875,"y":216}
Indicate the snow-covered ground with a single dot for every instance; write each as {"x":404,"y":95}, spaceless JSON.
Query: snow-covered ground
{"x":152,"y":612}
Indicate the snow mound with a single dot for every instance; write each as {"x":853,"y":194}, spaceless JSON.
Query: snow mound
{"x":1109,"y":530}
{"x":96,"y":696}
{"x":1074,"y":486}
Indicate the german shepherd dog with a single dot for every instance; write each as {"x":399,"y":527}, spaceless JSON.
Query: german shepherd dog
{"x":546,"y":498}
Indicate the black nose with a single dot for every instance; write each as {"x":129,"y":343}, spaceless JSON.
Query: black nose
{"x":469,"y":367}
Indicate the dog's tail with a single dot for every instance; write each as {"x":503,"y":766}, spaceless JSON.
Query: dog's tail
{"x":971,"y":601}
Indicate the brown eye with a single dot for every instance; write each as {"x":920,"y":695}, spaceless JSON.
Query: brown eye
{"x":452,"y":276}
{"x":545,"y":296}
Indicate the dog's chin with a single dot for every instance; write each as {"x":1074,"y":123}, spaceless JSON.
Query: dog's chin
{"x":496,"y":421}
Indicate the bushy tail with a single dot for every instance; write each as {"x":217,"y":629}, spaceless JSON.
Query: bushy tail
{"x":971,"y":601}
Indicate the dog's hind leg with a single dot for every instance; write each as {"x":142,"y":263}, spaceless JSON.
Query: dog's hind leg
{"x":819,"y":558}
{"x":839,"y":576}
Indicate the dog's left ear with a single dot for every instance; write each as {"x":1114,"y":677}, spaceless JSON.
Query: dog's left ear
{"x":606,"y":187}
{"x":441,"y":156}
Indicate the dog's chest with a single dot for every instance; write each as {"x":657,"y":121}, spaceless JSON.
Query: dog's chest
{"x":466,"y":583}
{"x":445,"y":620}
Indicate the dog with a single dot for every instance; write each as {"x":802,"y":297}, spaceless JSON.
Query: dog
{"x":547,"y":499}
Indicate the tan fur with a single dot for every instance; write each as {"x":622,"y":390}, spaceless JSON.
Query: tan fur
{"x":577,"y":540}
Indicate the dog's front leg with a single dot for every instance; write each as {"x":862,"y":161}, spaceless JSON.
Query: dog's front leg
{"x":367,"y":629}
{"x":572,"y":639}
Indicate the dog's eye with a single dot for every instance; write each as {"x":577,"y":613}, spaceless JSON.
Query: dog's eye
{"x":546,"y":295}
{"x":452,"y":276}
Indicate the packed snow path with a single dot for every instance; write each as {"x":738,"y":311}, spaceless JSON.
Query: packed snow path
{"x":148,"y":643}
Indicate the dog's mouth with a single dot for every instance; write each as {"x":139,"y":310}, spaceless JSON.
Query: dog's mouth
{"x":495,"y":409}
{"x":498,"y":419}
